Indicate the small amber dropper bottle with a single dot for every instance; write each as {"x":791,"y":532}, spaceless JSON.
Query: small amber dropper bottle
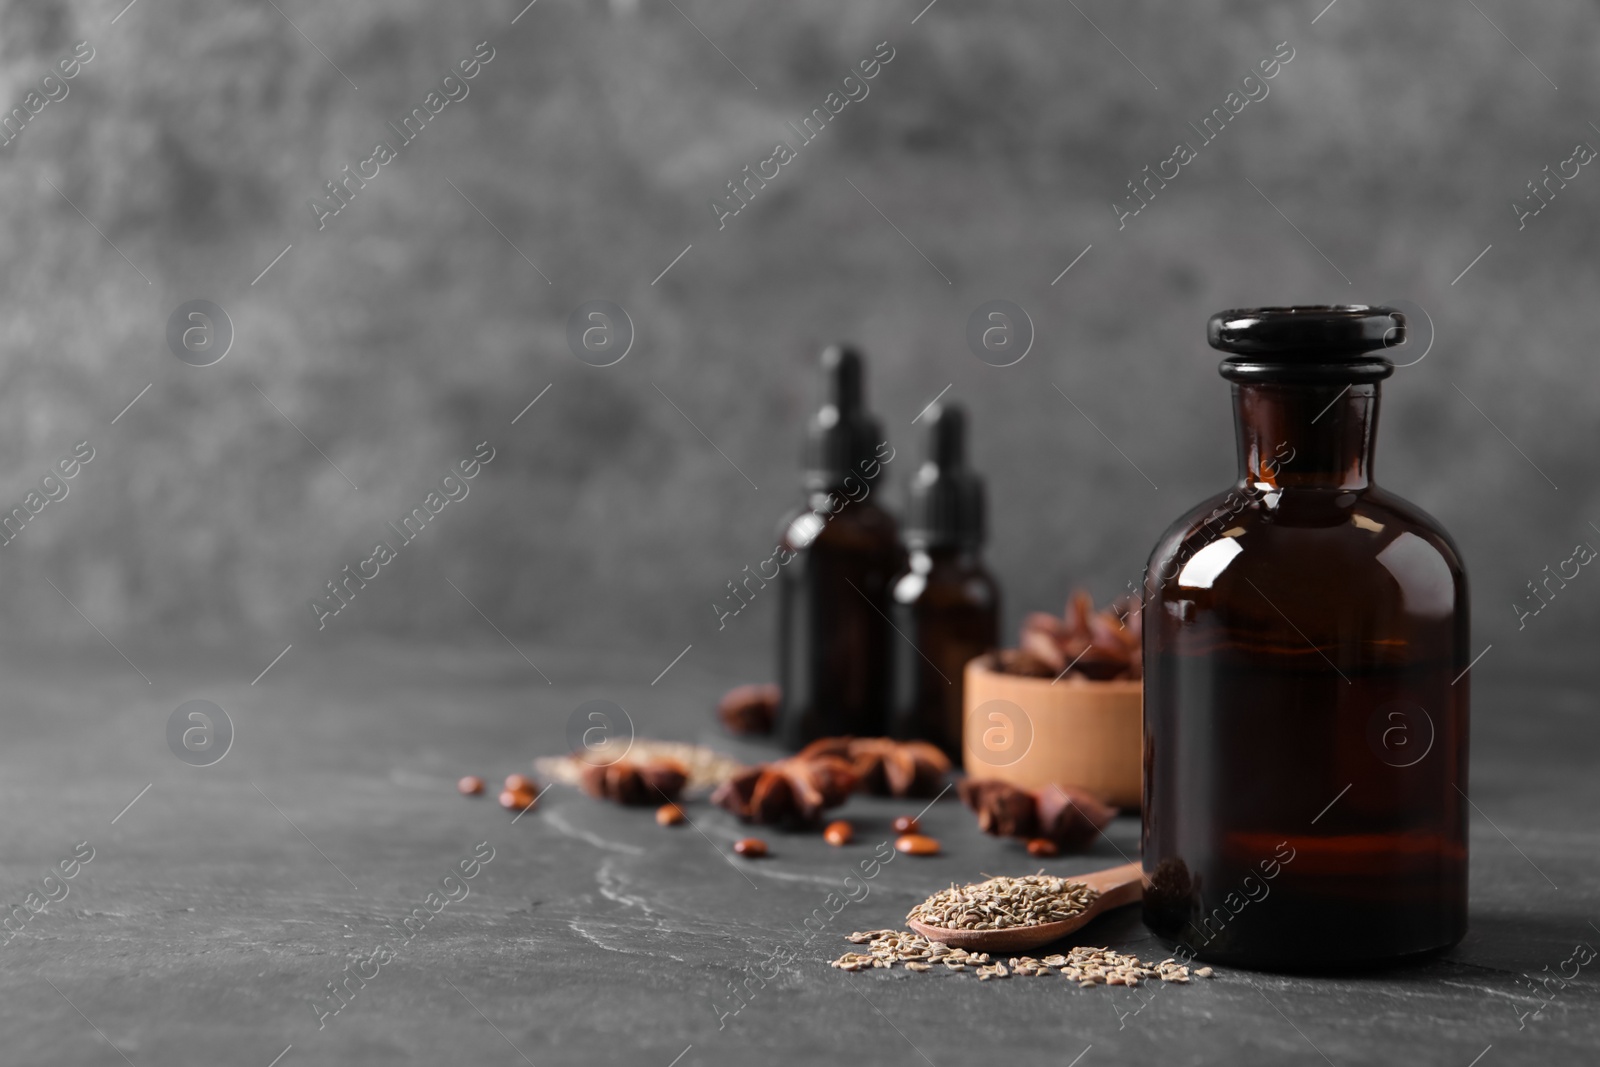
{"x":945,"y":602}
{"x":838,"y":552}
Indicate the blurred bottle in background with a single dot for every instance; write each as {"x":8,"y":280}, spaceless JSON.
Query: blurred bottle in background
{"x":944,"y":602}
{"x":838,"y":553}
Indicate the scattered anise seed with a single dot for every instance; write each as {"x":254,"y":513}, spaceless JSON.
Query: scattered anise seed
{"x":906,"y":824}
{"x":670,"y":815}
{"x":916,"y":845}
{"x":1083,"y":964}
{"x":516,"y":799}
{"x":470,"y":786}
{"x":839,"y":833}
{"x":750,"y":847}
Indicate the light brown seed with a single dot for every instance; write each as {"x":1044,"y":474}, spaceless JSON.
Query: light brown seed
{"x":750,"y":847}
{"x":470,"y":786}
{"x":1205,"y":972}
{"x":906,"y":824}
{"x":521,"y":783}
{"x":916,"y":845}
{"x":1003,"y":903}
{"x":670,"y":815}
{"x":516,"y":799}
{"x":839,"y":833}
{"x":1085,"y":965}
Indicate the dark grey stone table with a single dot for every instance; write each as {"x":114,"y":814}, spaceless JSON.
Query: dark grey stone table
{"x":217,"y":908}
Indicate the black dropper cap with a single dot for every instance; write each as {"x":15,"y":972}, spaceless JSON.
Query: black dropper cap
{"x":842,"y":435}
{"x":946,"y":505}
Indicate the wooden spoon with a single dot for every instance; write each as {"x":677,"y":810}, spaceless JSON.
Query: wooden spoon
{"x":1118,"y":886}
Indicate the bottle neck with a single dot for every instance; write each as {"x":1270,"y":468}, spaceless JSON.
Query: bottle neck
{"x":924,"y":558}
{"x":834,"y":499}
{"x":1303,"y":435}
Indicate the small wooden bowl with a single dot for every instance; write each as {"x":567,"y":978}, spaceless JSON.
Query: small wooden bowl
{"x":1074,"y":732}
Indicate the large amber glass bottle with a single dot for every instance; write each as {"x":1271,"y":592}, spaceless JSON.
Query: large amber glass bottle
{"x":1306,"y":686}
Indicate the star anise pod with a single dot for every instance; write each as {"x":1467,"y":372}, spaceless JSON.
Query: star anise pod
{"x":1067,"y":816}
{"x":1003,"y":809}
{"x":635,"y":782}
{"x":886,"y":767}
{"x":1101,"y":645}
{"x":787,"y":792}
{"x":1071,"y":817}
{"x":749,"y":710}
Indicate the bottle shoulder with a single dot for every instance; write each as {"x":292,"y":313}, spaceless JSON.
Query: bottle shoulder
{"x":858,"y":526}
{"x":1202,"y":524}
{"x":1363,"y":541}
{"x":951,"y":583}
{"x":1380,"y":505}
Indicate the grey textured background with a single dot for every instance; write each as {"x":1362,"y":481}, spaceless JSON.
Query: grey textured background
{"x":995,"y":140}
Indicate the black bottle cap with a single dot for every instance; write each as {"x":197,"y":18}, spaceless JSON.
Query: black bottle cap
{"x":946,"y":506}
{"x":1311,"y":343}
{"x":842,"y":434}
